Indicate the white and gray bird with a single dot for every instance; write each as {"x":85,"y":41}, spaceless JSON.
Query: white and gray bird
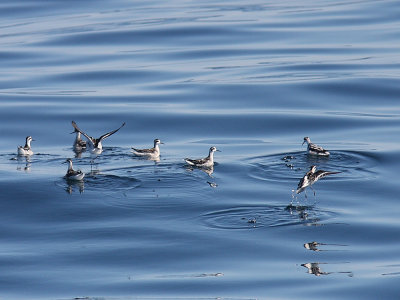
{"x":311,"y":177}
{"x":73,"y":174}
{"x":203,"y":162}
{"x":152,"y":153}
{"x":314,"y":149}
{"x":95,"y":144}
{"x":26,"y":150}
{"x":79,"y":144}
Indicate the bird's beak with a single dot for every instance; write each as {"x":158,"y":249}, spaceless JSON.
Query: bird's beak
{"x":303,"y":143}
{"x":72,"y":132}
{"x":162,"y":143}
{"x":218,"y":150}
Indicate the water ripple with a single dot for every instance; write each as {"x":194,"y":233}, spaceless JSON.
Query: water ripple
{"x":286,"y":167}
{"x":246,"y":217}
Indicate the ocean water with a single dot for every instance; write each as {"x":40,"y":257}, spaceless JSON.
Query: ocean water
{"x":253,"y":79}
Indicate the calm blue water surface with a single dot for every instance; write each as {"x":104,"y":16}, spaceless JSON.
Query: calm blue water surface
{"x":251,"y":79}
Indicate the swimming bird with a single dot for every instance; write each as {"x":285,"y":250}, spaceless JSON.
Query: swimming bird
{"x":203,"y":162}
{"x":314,"y":149}
{"x":311,"y":177}
{"x":95,"y":144}
{"x":79,"y":144}
{"x":152,"y":153}
{"x":72,"y":174}
{"x":26,"y":150}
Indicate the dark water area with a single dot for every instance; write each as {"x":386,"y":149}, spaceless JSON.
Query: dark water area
{"x":252,"y":79}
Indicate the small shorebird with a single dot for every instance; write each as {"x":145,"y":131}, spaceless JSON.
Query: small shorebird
{"x":96,"y":146}
{"x":311,"y":177}
{"x":72,"y":174}
{"x":26,"y":150}
{"x":314,"y":149}
{"x":79,"y":144}
{"x":152,"y":153}
{"x":203,"y":162}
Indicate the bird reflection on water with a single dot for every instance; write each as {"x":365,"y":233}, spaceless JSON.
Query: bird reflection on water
{"x":24,"y":160}
{"x":315,"y":269}
{"x":305,"y":213}
{"x":72,"y":185}
{"x":208,"y":170}
{"x":314,"y":246}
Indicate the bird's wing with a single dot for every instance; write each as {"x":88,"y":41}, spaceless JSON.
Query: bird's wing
{"x":71,"y":172}
{"x":195,"y":161}
{"x":316,"y":148}
{"x":144,"y":151}
{"x":81,"y":144}
{"x":90,"y":139}
{"x":106,"y":135}
{"x":321,"y":173}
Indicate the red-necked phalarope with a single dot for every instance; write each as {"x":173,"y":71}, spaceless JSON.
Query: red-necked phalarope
{"x":26,"y":150}
{"x":72,"y":174}
{"x":314,"y":149}
{"x":311,"y":177}
{"x":153,"y":153}
{"x":79,"y":144}
{"x":203,"y":162}
{"x":95,"y":144}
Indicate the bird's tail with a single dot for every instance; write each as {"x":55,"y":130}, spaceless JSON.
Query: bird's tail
{"x":331,"y":173}
{"x":188,"y":161}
